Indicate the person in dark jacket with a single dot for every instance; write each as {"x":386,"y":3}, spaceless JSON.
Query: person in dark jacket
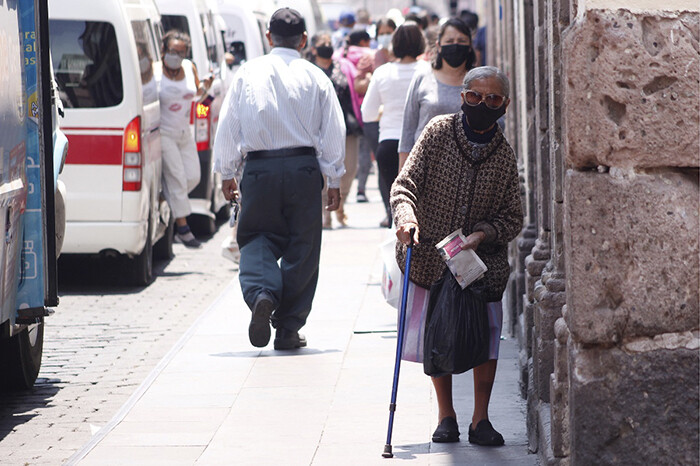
{"x":321,"y":54}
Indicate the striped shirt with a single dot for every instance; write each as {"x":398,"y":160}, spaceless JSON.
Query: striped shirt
{"x":277,"y":101}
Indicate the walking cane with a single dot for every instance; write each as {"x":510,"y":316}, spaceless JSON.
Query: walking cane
{"x":399,"y":346}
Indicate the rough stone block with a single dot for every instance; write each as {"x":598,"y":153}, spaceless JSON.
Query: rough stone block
{"x":547,"y":310}
{"x":560,"y":417}
{"x":543,"y":362}
{"x":524,"y":375}
{"x":527,"y":322}
{"x":561,"y":360}
{"x":632,"y":89}
{"x":533,"y":403}
{"x":634,"y":408}
{"x":632,"y":255}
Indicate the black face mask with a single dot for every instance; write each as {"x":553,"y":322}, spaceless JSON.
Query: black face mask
{"x":324,"y":51}
{"x":480,"y":117}
{"x":457,"y":54}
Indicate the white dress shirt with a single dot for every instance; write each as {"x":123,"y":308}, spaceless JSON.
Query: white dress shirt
{"x":277,"y":101}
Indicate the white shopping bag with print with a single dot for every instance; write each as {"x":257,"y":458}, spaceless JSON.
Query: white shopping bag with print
{"x":391,"y":277}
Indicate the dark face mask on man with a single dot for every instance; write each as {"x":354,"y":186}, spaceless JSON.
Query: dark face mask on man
{"x":480,"y":117}
{"x":324,"y":51}
{"x":457,"y":54}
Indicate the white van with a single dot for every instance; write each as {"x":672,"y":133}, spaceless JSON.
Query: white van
{"x":113,"y":166}
{"x":310,"y":10}
{"x":196,"y":18}
{"x":244,"y":34}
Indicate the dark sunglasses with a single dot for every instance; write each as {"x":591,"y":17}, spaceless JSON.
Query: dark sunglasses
{"x":492,"y":101}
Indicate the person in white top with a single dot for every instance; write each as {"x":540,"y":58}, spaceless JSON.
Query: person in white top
{"x":178,"y":85}
{"x":385,"y":100}
{"x":283,"y":115}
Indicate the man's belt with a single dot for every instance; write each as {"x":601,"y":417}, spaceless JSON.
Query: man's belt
{"x":288,"y":152}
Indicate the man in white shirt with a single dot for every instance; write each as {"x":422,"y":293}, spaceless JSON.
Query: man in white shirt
{"x":282,"y":113}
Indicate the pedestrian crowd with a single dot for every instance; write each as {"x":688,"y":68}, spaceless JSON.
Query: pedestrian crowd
{"x":303,"y":124}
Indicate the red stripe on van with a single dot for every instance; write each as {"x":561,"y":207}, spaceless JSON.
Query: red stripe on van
{"x":94,"y":149}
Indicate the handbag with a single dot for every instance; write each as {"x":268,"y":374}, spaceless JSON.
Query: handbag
{"x":457,"y":328}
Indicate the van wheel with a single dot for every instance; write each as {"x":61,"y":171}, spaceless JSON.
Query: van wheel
{"x":163,"y":249}
{"x":20,"y":358}
{"x":142,"y":264}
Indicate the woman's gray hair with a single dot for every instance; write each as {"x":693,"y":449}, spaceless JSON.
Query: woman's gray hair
{"x":485,"y":72}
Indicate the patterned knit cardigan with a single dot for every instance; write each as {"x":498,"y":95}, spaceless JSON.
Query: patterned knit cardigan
{"x":447,"y":183}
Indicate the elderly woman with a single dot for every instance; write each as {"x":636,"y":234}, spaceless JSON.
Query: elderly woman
{"x":462,"y":173}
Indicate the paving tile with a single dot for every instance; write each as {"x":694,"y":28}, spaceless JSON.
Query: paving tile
{"x":151,"y":456}
{"x":220,"y":401}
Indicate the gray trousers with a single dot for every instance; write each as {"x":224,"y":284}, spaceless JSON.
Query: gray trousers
{"x":279,"y":235}
{"x":368,"y":145}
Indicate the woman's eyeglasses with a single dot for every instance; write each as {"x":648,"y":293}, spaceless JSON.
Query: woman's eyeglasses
{"x":492,"y":101}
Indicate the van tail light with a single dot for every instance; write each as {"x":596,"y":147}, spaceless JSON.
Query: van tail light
{"x":133,"y":159}
{"x":201,"y":126}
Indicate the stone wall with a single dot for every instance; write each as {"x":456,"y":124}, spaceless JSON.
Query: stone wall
{"x":604,"y":292}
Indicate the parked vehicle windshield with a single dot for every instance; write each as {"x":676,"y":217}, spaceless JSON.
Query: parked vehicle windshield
{"x":86,"y":60}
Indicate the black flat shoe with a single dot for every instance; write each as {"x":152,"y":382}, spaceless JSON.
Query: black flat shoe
{"x":485,"y":435}
{"x":447,"y":431}
{"x":259,"y":328}
{"x":287,"y":340}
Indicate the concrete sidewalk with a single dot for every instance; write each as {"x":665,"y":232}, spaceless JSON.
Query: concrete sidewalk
{"x":216,"y":400}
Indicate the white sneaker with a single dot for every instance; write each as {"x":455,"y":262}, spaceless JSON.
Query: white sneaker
{"x":229,"y":249}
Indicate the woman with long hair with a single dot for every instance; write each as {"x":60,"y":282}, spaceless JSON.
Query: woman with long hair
{"x":387,"y":90}
{"x":437,"y":91}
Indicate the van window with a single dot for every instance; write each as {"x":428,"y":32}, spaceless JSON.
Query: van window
{"x":179,"y":23}
{"x":146,"y":49}
{"x":86,"y":63}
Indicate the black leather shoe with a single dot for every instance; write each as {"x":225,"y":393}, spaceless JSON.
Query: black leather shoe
{"x":447,"y":431}
{"x":485,"y":435}
{"x":286,"y":339}
{"x":259,"y":328}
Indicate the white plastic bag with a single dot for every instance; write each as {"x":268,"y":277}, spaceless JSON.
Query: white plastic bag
{"x":391,"y":277}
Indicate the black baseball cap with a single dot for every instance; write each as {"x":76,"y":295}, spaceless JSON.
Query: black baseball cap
{"x":287,"y":22}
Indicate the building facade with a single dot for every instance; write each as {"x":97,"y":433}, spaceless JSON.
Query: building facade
{"x":604,"y":295}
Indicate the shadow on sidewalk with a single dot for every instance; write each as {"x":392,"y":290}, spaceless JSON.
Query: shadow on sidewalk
{"x":411,"y":451}
{"x":274,"y":354}
{"x":20,"y":407}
